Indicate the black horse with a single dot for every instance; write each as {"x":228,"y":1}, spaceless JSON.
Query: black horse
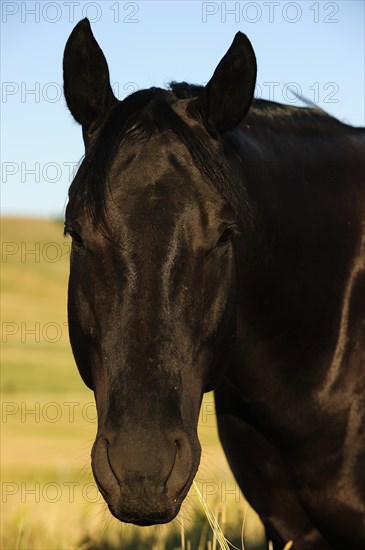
{"x":218,"y":243}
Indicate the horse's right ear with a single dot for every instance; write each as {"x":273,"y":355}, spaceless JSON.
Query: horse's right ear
{"x":86,"y":78}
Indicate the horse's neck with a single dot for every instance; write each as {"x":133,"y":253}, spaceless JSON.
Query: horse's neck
{"x":301,"y":168}
{"x":297,"y":307}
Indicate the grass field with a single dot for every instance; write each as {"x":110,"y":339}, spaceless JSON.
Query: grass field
{"x":49,"y":500}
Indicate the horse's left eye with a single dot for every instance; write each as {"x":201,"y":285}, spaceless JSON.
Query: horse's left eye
{"x":227,"y":235}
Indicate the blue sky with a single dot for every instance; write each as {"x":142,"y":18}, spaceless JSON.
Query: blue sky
{"x":315,"y":47}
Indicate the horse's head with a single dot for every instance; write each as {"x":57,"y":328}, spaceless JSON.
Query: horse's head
{"x":151,"y":290}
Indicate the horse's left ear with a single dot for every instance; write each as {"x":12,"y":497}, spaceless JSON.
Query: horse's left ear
{"x":86,"y":78}
{"x":229,"y":93}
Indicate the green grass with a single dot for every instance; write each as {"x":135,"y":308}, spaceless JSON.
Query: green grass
{"x":35,"y":351}
{"x":49,"y":500}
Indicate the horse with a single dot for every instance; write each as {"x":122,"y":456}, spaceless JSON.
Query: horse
{"x":218,"y":243}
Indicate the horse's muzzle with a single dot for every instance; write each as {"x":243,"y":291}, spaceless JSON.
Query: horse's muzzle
{"x":142,"y":483}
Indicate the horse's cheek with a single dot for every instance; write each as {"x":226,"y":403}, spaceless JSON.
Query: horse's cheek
{"x":217,"y":294}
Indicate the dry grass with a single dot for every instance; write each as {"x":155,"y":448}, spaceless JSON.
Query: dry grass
{"x":47,"y":484}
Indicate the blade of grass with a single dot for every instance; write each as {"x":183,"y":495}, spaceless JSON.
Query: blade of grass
{"x":243,"y":525}
{"x":182,"y":533}
{"x":223,"y":543}
{"x":203,"y":536}
{"x":20,"y":532}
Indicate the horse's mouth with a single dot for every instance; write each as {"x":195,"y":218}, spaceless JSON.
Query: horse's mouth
{"x":147,"y":513}
{"x":145,"y":521}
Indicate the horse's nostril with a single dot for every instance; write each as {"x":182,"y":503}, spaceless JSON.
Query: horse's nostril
{"x":181,"y":472}
{"x":104,"y":476}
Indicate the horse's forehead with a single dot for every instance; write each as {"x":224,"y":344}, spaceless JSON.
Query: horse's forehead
{"x":159,"y":175}
{"x":138,"y":162}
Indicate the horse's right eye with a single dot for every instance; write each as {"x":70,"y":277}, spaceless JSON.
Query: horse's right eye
{"x":76,"y":238}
